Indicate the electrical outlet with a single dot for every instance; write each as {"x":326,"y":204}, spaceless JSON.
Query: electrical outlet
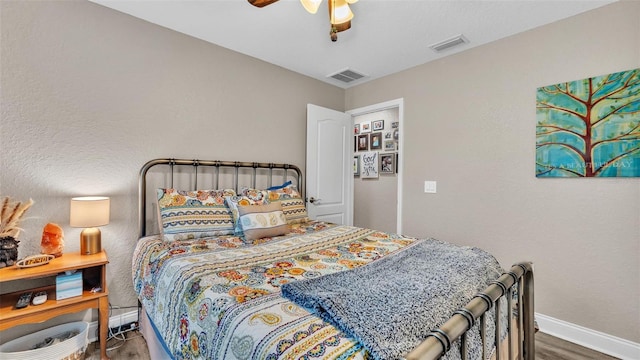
{"x":124,"y":328}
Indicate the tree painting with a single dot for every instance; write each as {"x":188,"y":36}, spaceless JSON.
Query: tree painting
{"x":589,"y":127}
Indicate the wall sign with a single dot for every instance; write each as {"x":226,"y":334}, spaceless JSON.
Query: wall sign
{"x":369,"y":165}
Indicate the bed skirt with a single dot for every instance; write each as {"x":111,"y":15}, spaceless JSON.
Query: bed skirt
{"x":158,"y":350}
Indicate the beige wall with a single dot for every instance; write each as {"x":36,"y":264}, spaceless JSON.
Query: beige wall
{"x":375,"y":201}
{"x":90,"y":94}
{"x":469,"y":123}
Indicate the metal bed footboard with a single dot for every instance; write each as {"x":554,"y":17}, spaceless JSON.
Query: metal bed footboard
{"x":287,"y":171}
{"x":519,"y":279}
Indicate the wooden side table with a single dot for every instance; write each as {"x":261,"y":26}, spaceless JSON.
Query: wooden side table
{"x":94,"y":271}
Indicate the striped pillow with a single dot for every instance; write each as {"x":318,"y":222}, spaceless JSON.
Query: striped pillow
{"x":260,"y":221}
{"x":185,"y":215}
{"x":292,"y":203}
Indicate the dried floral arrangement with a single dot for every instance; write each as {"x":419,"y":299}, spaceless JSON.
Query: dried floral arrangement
{"x":10,"y":217}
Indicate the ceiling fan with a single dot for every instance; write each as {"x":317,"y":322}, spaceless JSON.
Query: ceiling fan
{"x":340,"y":14}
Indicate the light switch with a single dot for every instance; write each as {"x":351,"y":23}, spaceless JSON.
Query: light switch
{"x":430,"y":187}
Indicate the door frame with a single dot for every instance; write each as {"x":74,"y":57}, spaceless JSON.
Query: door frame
{"x":397,"y":103}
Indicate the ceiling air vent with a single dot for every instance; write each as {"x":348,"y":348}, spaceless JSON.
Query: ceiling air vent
{"x":449,"y":43}
{"x":347,"y":76}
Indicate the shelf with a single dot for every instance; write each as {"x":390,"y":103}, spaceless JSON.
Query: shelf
{"x":67,"y":262}
{"x":8,"y":301}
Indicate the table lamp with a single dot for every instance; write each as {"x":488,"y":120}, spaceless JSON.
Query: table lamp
{"x":89,"y":212}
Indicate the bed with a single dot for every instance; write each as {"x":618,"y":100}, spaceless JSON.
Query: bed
{"x":238,"y":271}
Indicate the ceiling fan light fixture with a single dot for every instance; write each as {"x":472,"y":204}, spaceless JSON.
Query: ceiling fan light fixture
{"x":311,"y":5}
{"x":340,"y":13}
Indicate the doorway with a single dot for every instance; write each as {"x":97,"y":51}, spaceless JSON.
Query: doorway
{"x":378,"y":199}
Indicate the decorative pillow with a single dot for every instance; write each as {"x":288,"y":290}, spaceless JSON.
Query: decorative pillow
{"x":194,"y":214}
{"x":292,"y":203}
{"x":260,"y":221}
{"x":247,"y":197}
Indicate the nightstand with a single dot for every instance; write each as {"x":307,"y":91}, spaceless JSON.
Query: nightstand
{"x":94,"y":270}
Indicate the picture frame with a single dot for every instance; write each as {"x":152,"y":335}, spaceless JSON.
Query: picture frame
{"x":356,"y":165}
{"x":394,"y":125}
{"x":377,"y":125}
{"x":375,"y":141}
{"x":388,"y":135}
{"x":363,"y":142}
{"x":355,"y":143}
{"x":389,"y":145}
{"x":356,"y":129}
{"x":388,"y":163}
{"x":365,"y":127}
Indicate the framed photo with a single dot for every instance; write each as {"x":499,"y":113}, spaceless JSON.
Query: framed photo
{"x":394,"y":125}
{"x":389,"y":145}
{"x":365,"y":127}
{"x":356,"y":129}
{"x":387,"y":135}
{"x":356,"y":165}
{"x":377,"y":125}
{"x":375,"y":140}
{"x":355,"y":143}
{"x":363,"y":142}
{"x":388,"y":163}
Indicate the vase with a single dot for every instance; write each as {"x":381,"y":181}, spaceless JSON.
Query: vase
{"x":8,"y":251}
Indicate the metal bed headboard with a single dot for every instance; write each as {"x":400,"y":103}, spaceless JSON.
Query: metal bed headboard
{"x":218,"y":166}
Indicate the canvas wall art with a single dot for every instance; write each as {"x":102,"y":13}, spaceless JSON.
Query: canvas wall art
{"x":589,"y":127}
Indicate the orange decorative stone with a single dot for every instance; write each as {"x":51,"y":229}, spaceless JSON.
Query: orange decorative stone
{"x":52,"y":240}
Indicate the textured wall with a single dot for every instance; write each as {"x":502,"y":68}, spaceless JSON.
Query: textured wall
{"x":375,"y":201}
{"x":90,"y":94}
{"x":469,"y":123}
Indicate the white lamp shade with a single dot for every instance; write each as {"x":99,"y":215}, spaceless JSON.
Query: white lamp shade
{"x":89,"y":211}
{"x":341,"y":13}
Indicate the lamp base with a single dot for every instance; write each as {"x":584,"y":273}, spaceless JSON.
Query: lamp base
{"x":90,"y":241}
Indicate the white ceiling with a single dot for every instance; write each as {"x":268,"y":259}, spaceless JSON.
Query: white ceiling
{"x":386,"y":36}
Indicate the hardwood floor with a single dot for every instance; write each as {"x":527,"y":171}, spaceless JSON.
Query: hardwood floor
{"x":547,"y":348}
{"x":133,"y":348}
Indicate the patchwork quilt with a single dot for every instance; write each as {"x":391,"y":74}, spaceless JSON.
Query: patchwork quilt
{"x":220,"y":298}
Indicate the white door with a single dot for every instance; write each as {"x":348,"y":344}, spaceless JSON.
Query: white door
{"x":329,"y":186}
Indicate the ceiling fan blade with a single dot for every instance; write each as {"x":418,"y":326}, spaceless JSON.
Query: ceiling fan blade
{"x":261,"y":3}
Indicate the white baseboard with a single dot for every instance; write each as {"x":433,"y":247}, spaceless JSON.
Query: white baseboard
{"x":599,"y":341}
{"x":114,"y":321}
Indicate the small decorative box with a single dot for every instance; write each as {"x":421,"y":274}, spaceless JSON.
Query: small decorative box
{"x":68,"y":285}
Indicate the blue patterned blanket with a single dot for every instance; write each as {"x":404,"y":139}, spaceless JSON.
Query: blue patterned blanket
{"x":391,"y":304}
